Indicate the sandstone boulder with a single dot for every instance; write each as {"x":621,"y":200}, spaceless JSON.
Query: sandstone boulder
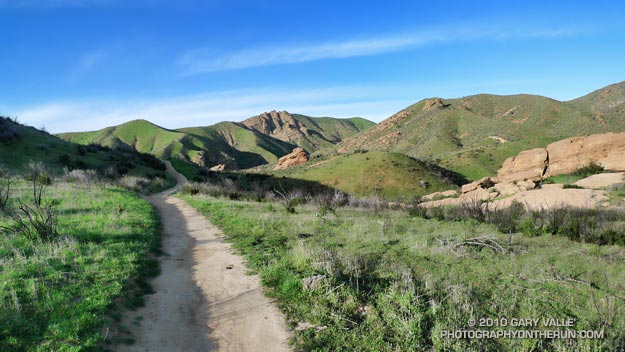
{"x":485,"y":183}
{"x":441,"y":195}
{"x":298,"y":156}
{"x":527,"y":165}
{"x":219,"y":167}
{"x":568,"y":155}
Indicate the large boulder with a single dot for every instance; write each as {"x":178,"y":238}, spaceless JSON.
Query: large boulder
{"x":298,"y":156}
{"x":527,"y":165}
{"x":568,"y":155}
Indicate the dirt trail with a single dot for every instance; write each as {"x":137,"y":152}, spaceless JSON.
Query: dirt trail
{"x":204,"y":300}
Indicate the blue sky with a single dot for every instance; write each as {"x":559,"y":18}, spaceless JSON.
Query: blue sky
{"x":76,"y":65}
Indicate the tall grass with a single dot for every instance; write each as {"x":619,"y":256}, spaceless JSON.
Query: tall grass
{"x":390,"y":282}
{"x":65,"y":293}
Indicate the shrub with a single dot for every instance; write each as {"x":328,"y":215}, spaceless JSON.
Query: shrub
{"x":588,"y":170}
{"x":571,"y":186}
{"x":81,"y":176}
{"x":36,"y":221}
{"x":134,"y":183}
{"x":506,"y":219}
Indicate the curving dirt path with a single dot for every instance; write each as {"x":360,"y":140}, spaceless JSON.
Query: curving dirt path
{"x":204,"y":300}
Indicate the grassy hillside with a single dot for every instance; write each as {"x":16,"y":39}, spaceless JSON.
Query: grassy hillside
{"x":230,"y":143}
{"x":225,"y":143}
{"x":389,"y":175}
{"x":391,"y":282}
{"x":608,"y":100}
{"x":474,"y":135}
{"x":249,"y":144}
{"x":65,"y":292}
{"x":20,"y":145}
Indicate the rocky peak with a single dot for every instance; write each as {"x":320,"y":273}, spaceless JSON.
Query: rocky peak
{"x":278,"y":124}
{"x":435,"y":103}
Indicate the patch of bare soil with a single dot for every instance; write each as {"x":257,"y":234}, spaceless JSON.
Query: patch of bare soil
{"x":204,"y":299}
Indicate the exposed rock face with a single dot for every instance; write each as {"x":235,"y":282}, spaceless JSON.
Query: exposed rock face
{"x":436,"y":103}
{"x":298,"y":156}
{"x":220,"y":167}
{"x":441,"y":195}
{"x":200,"y":159}
{"x":528,"y":165}
{"x":566,"y":156}
{"x":281,"y":125}
{"x":484,"y":183}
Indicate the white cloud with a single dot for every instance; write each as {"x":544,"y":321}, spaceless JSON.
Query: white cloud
{"x":204,"y":60}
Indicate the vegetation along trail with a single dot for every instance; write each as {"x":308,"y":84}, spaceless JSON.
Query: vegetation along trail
{"x":204,"y":299}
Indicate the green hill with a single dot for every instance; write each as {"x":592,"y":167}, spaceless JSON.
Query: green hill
{"x":389,"y":175}
{"x":237,"y":145}
{"x":224,"y":143}
{"x":19,"y":145}
{"x":474,"y":135}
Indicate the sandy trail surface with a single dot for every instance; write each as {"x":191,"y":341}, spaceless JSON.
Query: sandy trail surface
{"x":204,"y":299}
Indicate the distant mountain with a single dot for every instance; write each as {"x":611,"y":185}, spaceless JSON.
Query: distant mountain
{"x":310,"y":133}
{"x":475,"y":134}
{"x":254,"y":142}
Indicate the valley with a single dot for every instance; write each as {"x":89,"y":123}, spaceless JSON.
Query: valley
{"x":303,"y":233}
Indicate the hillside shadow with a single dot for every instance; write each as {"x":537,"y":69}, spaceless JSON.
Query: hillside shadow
{"x":263,"y":183}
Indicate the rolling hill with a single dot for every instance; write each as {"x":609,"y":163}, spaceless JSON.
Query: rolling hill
{"x":19,"y":145}
{"x":254,"y":142}
{"x":475,"y":134}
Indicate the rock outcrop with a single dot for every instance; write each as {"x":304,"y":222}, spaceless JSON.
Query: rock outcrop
{"x":280,"y":125}
{"x":220,"y":167}
{"x":527,"y":165}
{"x":298,"y":156}
{"x":566,"y":156}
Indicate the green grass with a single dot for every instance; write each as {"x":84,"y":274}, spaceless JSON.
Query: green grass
{"x":29,"y":144}
{"x":67,"y":294}
{"x":395,"y":282}
{"x":389,"y":175}
{"x":227,"y":143}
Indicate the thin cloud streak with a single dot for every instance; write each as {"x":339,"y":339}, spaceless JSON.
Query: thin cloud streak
{"x":204,"y":60}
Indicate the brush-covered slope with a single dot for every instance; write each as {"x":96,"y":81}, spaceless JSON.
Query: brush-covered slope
{"x":609,"y":100}
{"x":475,"y":134}
{"x":310,"y":133}
{"x":390,"y":175}
{"x":19,"y":145}
{"x":226,"y":143}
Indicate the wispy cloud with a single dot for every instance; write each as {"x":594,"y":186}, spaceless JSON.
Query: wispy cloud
{"x":88,"y":61}
{"x":204,"y":60}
